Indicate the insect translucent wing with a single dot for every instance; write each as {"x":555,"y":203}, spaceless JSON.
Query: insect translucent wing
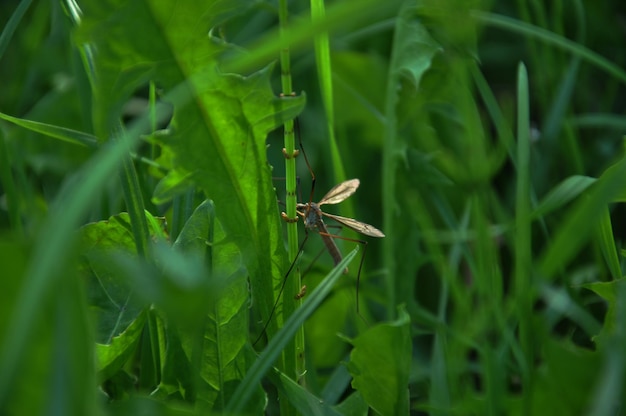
{"x":340,"y":192}
{"x":358,"y":226}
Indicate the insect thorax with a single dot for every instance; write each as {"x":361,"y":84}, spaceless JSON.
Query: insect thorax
{"x":312,"y":215}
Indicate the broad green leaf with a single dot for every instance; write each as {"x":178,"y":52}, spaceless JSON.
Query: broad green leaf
{"x":609,"y":291}
{"x":173,"y":184}
{"x":305,"y":402}
{"x":380,"y":363}
{"x":46,"y":275}
{"x":421,"y":50}
{"x":201,"y":290}
{"x":177,"y":374}
{"x":354,"y":405}
{"x":112,"y":356}
{"x":218,"y":140}
{"x":416,"y":48}
{"x":179,"y":284}
{"x":567,"y":374}
{"x":120,"y":318}
{"x":216,"y":346}
{"x":199,"y":232}
{"x":610,"y":385}
{"x":108,"y":291}
{"x":222,"y":359}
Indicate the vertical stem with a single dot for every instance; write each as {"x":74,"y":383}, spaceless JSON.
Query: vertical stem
{"x":134,"y":200}
{"x":523,"y":236}
{"x":324,"y":75}
{"x":389,"y":165}
{"x":289,"y":140}
{"x":153,"y":128}
{"x":293,"y":356}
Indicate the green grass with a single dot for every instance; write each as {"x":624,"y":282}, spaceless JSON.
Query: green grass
{"x":141,"y":241}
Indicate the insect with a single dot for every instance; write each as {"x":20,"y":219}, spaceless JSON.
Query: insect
{"x":312,"y":216}
{"x":301,"y":293}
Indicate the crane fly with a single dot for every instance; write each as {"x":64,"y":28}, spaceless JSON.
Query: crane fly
{"x":312,"y":216}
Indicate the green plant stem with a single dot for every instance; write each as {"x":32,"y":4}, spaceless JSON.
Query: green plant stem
{"x":294,"y":323}
{"x":134,"y":204}
{"x":389,"y":166}
{"x":154,"y":150}
{"x":324,"y":73}
{"x":294,"y":365}
{"x":522,"y":233}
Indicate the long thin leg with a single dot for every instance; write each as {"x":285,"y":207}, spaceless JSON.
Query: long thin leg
{"x":358,"y":275}
{"x":281,"y":203}
{"x":306,"y":159}
{"x":292,"y":265}
{"x":282,"y":288}
{"x":319,"y":254}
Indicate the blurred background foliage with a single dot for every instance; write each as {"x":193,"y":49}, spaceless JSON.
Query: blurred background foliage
{"x":509,"y":313}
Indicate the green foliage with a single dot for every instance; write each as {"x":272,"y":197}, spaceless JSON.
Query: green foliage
{"x":382,"y":379}
{"x":141,"y":241}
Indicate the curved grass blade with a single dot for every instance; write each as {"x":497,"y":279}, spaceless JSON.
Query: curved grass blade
{"x":283,"y":336}
{"x":57,"y":132}
{"x":550,"y":38}
{"x":11,"y":25}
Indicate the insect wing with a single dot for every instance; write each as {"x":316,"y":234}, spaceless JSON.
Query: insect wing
{"x":340,"y":192}
{"x":358,"y":226}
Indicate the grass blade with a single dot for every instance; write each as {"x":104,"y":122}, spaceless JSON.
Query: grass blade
{"x":283,"y":336}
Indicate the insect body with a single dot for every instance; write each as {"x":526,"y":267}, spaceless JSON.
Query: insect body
{"x":312,"y":215}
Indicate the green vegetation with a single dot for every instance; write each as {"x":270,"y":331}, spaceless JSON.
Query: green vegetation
{"x":142,"y":179}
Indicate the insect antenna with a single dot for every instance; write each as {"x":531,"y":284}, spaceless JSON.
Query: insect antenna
{"x":306,"y":159}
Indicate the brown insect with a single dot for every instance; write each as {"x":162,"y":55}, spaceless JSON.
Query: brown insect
{"x":301,"y":293}
{"x":312,"y":216}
